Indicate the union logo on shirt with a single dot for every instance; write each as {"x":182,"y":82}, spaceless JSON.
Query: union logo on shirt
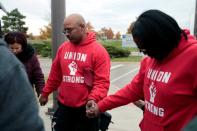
{"x":73,"y":68}
{"x":72,"y":78}
{"x":153,"y":91}
{"x":152,"y":107}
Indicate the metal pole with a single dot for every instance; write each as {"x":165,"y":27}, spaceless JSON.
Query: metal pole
{"x":5,"y":11}
{"x":1,"y":33}
{"x":57,"y":18}
{"x":195,"y":21}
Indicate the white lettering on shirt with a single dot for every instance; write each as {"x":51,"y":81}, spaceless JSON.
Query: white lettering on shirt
{"x":75,"y":56}
{"x":158,"y":111}
{"x":73,"y":79}
{"x":159,"y":76}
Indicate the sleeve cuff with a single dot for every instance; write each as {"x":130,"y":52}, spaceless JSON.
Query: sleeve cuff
{"x":45,"y":94}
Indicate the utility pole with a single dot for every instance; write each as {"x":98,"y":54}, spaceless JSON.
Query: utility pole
{"x":5,"y":11}
{"x":57,"y":19}
{"x":195,"y":21}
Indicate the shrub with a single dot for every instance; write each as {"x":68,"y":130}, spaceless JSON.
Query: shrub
{"x":46,"y":50}
{"x":43,"y":48}
{"x":116,"y":52}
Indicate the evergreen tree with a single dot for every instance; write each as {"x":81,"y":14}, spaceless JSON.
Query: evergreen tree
{"x":13,"y":21}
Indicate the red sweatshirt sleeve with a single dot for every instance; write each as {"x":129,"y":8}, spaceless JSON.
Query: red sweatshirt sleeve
{"x":130,"y":93}
{"x":101,"y":75}
{"x":55,"y":76}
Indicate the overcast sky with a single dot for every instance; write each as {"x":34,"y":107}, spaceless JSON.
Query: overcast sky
{"x":117,"y":14}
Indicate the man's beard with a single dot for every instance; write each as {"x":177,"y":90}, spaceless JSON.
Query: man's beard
{"x":76,"y":40}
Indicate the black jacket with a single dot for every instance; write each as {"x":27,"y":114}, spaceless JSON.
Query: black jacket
{"x":18,"y":105}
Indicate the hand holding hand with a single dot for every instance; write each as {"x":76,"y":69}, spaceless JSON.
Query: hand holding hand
{"x":140,"y":104}
{"x":92,"y":109}
{"x":90,"y":104}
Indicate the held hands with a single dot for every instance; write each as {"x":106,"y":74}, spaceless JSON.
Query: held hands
{"x":43,"y":100}
{"x":92,"y":109}
{"x":140,"y":104}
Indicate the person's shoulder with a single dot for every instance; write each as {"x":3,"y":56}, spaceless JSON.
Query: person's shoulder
{"x":33,"y":58}
{"x":99,"y":45}
{"x":65,"y":44}
{"x":146,"y":60}
{"x":2,"y":43}
{"x":101,"y":49}
{"x":191,"y":126}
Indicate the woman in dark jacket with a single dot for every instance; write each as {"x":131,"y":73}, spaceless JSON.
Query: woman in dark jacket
{"x":17,"y":43}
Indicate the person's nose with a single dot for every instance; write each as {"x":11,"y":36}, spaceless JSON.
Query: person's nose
{"x":14,"y":51}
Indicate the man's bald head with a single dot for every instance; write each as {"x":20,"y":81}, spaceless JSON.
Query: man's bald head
{"x":74,"y":19}
{"x":75,"y":28}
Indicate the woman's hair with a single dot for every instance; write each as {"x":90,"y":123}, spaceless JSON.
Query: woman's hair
{"x":16,"y":37}
{"x":157,"y":32}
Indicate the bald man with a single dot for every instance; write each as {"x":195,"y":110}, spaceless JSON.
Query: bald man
{"x":81,"y":73}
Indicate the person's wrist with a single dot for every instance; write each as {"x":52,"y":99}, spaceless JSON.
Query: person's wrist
{"x":44,"y":94}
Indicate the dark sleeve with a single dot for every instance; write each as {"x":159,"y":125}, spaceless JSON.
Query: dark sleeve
{"x":38,"y":76}
{"x":191,"y":126}
{"x":18,"y":105}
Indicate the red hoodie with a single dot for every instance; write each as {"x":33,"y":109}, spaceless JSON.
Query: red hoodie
{"x":71,"y":64}
{"x":169,"y":89}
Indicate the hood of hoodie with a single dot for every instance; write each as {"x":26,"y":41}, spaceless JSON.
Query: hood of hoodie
{"x":26,"y":54}
{"x":183,"y":44}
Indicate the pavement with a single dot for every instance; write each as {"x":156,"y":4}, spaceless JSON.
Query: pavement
{"x":125,"y":118}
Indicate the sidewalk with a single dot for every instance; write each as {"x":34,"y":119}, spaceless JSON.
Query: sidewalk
{"x":125,"y":118}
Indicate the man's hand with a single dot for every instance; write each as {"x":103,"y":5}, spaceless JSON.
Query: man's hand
{"x":140,"y":104}
{"x":90,"y":104}
{"x":43,"y":100}
{"x":92,"y":109}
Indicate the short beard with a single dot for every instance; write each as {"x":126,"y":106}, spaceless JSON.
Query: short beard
{"x":76,"y":41}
